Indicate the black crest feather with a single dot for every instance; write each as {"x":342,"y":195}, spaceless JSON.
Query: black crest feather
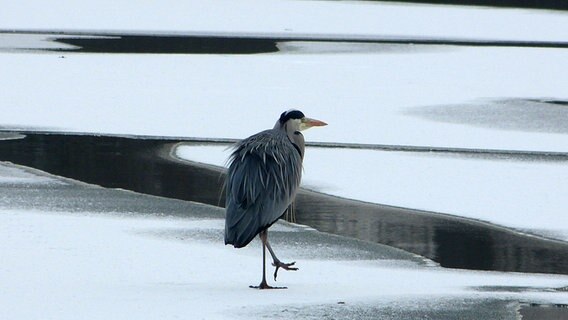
{"x":291,"y":114}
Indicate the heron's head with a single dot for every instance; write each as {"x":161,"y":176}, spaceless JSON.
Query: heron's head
{"x":299,"y":120}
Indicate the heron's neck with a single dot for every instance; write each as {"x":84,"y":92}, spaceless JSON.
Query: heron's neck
{"x":294,"y":135}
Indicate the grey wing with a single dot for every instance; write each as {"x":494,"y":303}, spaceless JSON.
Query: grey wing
{"x":262,"y":181}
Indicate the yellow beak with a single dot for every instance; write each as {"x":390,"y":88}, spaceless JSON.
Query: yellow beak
{"x":307,"y":123}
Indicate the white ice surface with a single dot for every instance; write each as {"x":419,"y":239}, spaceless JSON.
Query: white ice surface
{"x":61,"y":266}
{"x":365,"y":98}
{"x":10,"y":42}
{"x":292,"y":17}
{"x":18,"y":177}
{"x":526,"y":195}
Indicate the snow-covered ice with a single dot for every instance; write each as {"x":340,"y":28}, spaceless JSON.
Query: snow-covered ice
{"x":62,"y":264}
{"x":365,"y":98}
{"x":289,"y":17}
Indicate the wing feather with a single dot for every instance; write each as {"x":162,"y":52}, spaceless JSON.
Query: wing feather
{"x":262,"y":180}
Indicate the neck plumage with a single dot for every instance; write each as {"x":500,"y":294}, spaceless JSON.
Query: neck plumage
{"x":294,"y":135}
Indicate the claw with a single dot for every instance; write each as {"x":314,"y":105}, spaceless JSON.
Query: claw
{"x":275,"y":272}
{"x":285,"y":266}
{"x":265,"y":286}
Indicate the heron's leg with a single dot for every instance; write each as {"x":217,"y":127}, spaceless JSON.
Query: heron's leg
{"x":263,"y":284}
{"x":276,"y":262}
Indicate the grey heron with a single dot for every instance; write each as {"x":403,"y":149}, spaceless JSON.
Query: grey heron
{"x":262,"y":181}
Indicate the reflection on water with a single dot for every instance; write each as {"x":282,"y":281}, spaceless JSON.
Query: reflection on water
{"x":145,"y":165}
{"x":141,"y":165}
{"x":452,"y":242}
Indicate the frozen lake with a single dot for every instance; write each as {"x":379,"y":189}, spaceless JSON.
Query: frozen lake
{"x":447,"y":139}
{"x":523,"y":131}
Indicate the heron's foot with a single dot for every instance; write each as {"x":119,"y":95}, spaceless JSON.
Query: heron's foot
{"x":286,"y":266}
{"x":264,"y":285}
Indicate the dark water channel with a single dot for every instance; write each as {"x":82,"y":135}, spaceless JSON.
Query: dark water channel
{"x":145,"y":165}
{"x":229,"y":43}
{"x":533,"y":4}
